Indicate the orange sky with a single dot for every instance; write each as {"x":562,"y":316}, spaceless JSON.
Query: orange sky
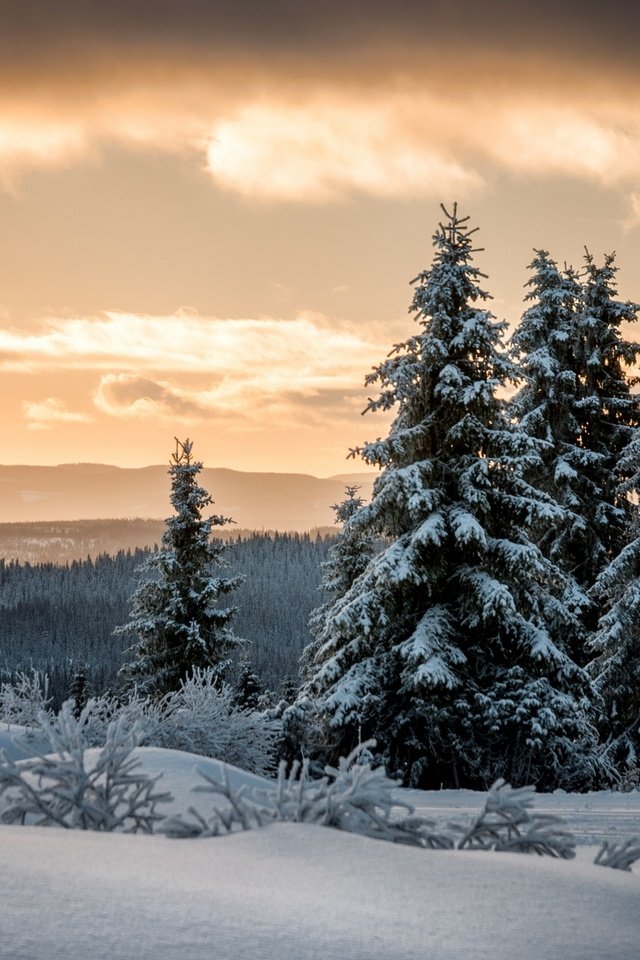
{"x":211,"y":211}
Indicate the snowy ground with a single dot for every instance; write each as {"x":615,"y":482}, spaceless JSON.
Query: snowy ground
{"x":298,"y":891}
{"x":591,"y":817}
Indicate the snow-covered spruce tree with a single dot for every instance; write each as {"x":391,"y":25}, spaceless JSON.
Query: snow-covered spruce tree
{"x":80,"y":689}
{"x":616,"y":643}
{"x":348,"y":558}
{"x":248,"y":687}
{"x":303,"y":732}
{"x":448,"y":648}
{"x":175,"y":611}
{"x":546,"y":408}
{"x":578,"y":399}
{"x":608,"y":414}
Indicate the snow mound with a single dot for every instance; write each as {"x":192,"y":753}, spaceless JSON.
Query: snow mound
{"x":179,"y":776}
{"x":300,"y":892}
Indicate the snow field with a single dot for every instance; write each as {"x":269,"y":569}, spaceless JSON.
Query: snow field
{"x":301,"y":892}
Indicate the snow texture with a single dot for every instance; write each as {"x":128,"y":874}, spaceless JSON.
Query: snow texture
{"x":301,"y":892}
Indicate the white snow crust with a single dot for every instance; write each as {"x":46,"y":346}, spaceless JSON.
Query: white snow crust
{"x":301,"y":892}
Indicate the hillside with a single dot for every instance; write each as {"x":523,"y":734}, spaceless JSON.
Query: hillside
{"x":255,"y":501}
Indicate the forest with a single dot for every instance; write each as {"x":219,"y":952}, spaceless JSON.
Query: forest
{"x":56,"y":617}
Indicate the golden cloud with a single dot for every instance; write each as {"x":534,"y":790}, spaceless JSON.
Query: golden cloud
{"x":311,"y":346}
{"x":43,"y":414}
{"x":276,"y":139}
{"x":322,"y":151}
{"x":243,"y":368}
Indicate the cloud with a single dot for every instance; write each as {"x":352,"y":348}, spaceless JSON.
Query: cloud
{"x":309,"y":348}
{"x":44,"y":414}
{"x":129,"y":395}
{"x":412,"y":143}
{"x":290,"y":101}
{"x":321,"y":152}
{"x":184,"y":366}
{"x":247,"y":403}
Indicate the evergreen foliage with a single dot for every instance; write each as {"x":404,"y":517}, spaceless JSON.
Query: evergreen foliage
{"x":546,"y":408}
{"x":176,"y":616}
{"x":449,"y":648}
{"x":608,"y":414}
{"x":248,"y":687}
{"x":348,"y":558}
{"x":56,"y":616}
{"x":578,"y":400}
{"x":303,"y":733}
{"x":616,"y":642}
{"x":79,"y":689}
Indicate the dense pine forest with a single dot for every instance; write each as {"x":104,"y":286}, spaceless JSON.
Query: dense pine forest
{"x":55,"y":617}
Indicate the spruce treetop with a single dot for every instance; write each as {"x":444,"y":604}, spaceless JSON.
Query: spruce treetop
{"x":449,"y":372}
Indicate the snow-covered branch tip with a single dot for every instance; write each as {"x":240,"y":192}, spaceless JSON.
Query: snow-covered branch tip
{"x":353,"y":797}
{"x":619,"y":856}
{"x":67,"y":788}
{"x":508,"y":824}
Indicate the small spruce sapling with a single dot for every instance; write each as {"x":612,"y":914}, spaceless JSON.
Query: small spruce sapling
{"x":176,"y":613}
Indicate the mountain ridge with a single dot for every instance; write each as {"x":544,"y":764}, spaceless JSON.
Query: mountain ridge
{"x":258,"y":500}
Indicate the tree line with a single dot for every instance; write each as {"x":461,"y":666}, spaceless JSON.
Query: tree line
{"x":59,"y":618}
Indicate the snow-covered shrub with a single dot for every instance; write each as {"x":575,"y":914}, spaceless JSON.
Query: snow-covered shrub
{"x":24,"y":700}
{"x":146,"y":715}
{"x":352,"y":797}
{"x":619,"y":856}
{"x":64,"y":788}
{"x":237,"y":810}
{"x":508,"y":824}
{"x":202,"y":717}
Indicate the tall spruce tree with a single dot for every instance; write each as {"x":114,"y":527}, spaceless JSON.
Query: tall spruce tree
{"x":304,"y":732}
{"x":348,"y":558}
{"x":608,"y":413}
{"x":616,"y":643}
{"x":175,"y":611}
{"x":448,"y":648}
{"x":546,"y":408}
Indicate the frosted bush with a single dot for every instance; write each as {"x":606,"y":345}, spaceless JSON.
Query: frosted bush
{"x":63,"y":787}
{"x":202,"y":717}
{"x":352,"y":797}
{"x":24,"y":700}
{"x":100,"y":712}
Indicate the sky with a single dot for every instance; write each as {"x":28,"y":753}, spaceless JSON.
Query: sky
{"x":211,"y":210}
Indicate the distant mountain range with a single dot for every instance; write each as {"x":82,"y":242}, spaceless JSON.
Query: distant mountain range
{"x":256,"y":501}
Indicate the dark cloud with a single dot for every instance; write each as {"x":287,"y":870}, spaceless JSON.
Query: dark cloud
{"x":39,"y":30}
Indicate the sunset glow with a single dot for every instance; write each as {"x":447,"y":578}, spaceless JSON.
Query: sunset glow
{"x":211,"y":213}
